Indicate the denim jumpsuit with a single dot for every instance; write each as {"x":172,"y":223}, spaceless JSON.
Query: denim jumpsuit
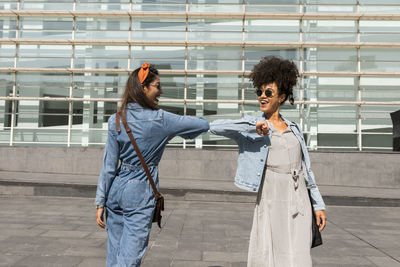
{"x":124,"y":188}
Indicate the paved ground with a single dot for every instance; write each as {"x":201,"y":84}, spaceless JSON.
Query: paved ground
{"x":55,"y":231}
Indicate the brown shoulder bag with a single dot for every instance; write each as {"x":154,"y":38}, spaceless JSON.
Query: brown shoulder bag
{"x":159,"y":198}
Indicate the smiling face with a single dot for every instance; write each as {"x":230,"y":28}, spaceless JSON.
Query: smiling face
{"x":270,"y":104}
{"x":153,"y":92}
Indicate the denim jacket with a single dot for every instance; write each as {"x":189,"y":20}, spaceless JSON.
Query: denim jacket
{"x":152,"y":129}
{"x":253,"y":152}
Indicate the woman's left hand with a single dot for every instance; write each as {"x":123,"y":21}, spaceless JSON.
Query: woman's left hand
{"x":321,"y":219}
{"x":100,"y":218}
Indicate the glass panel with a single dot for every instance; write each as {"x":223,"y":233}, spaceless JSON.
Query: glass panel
{"x":5,"y":136}
{"x":101,"y":57}
{"x":290,"y":112}
{"x":176,"y":108}
{"x":380,"y":59}
{"x":95,"y":85}
{"x":46,"y":27}
{"x":330,"y":59}
{"x":272,"y":30}
{"x":330,"y":30}
{"x":215,"y":6}
{"x":162,"y":57}
{"x":330,"y":125}
{"x":330,"y":141}
{"x":6,"y":83}
{"x":44,"y":56}
{"x":330,"y":88}
{"x":377,"y":141}
{"x":330,"y":118}
{"x":158,"y":29}
{"x":214,"y":58}
{"x":382,"y":30}
{"x":5,"y":120}
{"x":92,"y":114}
{"x":33,"y":84}
{"x":8,"y":5}
{"x":172,"y":86}
{"x":215,"y":29}
{"x":376,"y":121}
{"x":91,"y":137}
{"x":102,"y":28}
{"x":37,"y":136}
{"x":224,"y":87}
{"x":383,"y":6}
{"x":253,"y":55}
{"x":33,"y":113}
{"x":331,"y":8}
{"x":380,"y":89}
{"x":103,"y":5}
{"x":47,"y":5}
{"x":273,"y":6}
{"x":329,"y":2}
{"x":165,"y":5}
{"x":8,"y":26}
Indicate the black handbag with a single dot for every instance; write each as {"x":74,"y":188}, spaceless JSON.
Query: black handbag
{"x":316,"y":234}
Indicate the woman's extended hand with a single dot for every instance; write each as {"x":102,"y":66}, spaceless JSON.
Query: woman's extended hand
{"x":321,"y":219}
{"x":262,"y":128}
{"x":100,"y":217}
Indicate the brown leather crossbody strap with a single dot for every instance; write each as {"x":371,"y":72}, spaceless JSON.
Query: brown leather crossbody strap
{"x":117,"y":122}
{"x":139,"y":154}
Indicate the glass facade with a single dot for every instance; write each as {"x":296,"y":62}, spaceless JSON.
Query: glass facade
{"x":64,"y":64}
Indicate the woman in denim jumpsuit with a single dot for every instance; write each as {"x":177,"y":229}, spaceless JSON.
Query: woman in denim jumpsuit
{"x":123,"y":189}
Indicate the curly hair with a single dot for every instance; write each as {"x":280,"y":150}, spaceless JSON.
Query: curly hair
{"x":274,"y":69}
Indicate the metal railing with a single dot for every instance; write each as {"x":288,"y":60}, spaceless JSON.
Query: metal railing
{"x":186,"y":16}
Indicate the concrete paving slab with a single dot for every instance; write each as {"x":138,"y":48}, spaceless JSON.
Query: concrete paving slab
{"x":354,"y":235}
{"x":91,"y":262}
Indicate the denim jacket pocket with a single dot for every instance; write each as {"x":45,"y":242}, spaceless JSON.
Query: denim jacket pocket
{"x":254,"y":137}
{"x":134,"y":194}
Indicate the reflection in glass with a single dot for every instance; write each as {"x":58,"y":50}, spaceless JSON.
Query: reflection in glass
{"x":158,"y":29}
{"x":214,"y":58}
{"x":102,"y":28}
{"x":162,"y":57}
{"x":329,"y":88}
{"x":46,"y":27}
{"x":384,"y":89}
{"x":204,"y":29}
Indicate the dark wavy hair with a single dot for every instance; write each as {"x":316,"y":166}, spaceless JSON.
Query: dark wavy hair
{"x":134,"y":89}
{"x":275,"y":69}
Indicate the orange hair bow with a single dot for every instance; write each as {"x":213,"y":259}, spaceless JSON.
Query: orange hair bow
{"x":143,"y":72}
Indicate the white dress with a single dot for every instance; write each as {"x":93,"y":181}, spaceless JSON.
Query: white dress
{"x":281,"y":233}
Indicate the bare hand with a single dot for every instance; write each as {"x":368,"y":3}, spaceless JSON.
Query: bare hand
{"x":100,"y":218}
{"x":321,"y":219}
{"x":262,"y":128}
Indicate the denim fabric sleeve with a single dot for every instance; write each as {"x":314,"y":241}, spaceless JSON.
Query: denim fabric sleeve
{"x":316,"y":197}
{"x":110,"y":164}
{"x":233,"y":129}
{"x":184,"y":126}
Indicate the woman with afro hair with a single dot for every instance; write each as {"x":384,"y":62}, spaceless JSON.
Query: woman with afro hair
{"x":273,"y":161}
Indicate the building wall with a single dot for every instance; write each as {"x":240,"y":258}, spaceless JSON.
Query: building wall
{"x":361,"y":169}
{"x":64,"y":64}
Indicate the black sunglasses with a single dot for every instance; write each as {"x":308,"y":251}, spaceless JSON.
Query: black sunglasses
{"x":268,"y":92}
